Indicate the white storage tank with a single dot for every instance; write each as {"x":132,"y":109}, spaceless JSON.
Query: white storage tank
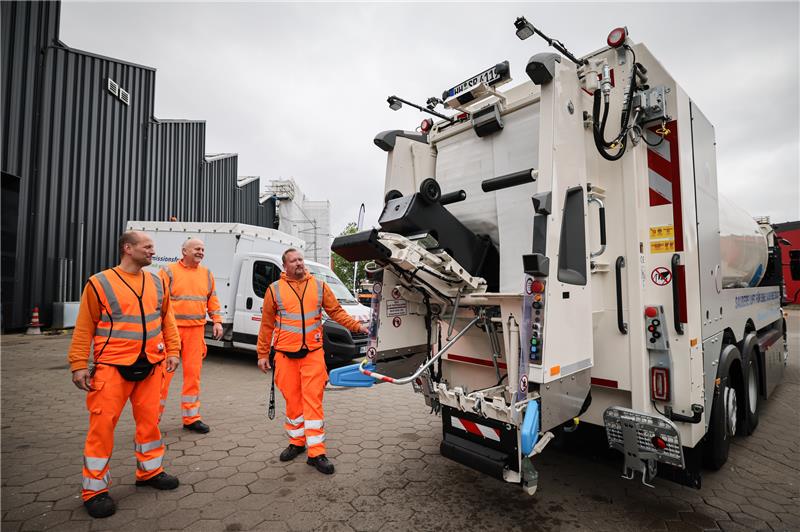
{"x":743,"y":247}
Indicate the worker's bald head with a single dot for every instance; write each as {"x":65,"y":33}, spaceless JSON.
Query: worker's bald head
{"x":136,"y":248}
{"x":192,"y":242}
{"x":129,"y":238}
{"x":193,"y":251}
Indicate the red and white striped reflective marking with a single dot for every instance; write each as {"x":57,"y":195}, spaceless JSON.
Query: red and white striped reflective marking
{"x":475,"y":428}
{"x":664,"y":178}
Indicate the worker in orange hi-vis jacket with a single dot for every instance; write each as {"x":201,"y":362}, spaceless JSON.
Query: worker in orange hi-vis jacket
{"x":291,"y":324}
{"x":193,"y":294}
{"x":126,"y":321}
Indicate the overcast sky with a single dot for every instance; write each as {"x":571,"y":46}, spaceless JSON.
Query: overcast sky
{"x":299,"y":90}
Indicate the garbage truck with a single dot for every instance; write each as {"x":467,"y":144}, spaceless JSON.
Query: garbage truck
{"x":558,"y":252}
{"x":245,"y":260}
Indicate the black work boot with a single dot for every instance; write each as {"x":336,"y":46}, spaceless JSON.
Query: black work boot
{"x":162,"y":481}
{"x":197,"y":426}
{"x":291,"y":452}
{"x":101,"y":505}
{"x":322,"y":464}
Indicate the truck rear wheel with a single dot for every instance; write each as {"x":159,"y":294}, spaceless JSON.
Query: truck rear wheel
{"x":722,"y":425}
{"x":750,"y":400}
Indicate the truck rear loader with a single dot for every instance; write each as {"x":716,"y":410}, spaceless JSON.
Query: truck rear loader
{"x":558,"y":251}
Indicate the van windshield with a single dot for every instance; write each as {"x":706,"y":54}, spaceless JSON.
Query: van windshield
{"x":339,"y":289}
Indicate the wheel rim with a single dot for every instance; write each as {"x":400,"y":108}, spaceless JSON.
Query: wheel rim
{"x":752,"y":390}
{"x":731,"y":410}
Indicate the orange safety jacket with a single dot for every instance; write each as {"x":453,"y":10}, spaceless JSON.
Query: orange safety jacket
{"x":130,"y":324}
{"x":193,"y":293}
{"x":283,"y":318}
{"x":299,"y":323}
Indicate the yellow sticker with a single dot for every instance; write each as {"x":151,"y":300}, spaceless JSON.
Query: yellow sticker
{"x":662,"y":231}
{"x":662,"y":246}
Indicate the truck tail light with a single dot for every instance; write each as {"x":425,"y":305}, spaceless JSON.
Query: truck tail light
{"x":659,"y":384}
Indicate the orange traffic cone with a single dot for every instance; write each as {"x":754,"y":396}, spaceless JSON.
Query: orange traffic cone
{"x":34,"y":327}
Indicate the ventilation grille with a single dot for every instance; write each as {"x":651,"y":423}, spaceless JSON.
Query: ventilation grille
{"x":124,"y":97}
{"x":113,"y":87}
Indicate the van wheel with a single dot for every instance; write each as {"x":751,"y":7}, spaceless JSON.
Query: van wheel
{"x":751,"y":399}
{"x":722,"y":426}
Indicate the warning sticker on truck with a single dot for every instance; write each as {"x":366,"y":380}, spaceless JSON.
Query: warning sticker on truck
{"x":397,"y":307}
{"x":662,"y":231}
{"x":662,"y":246}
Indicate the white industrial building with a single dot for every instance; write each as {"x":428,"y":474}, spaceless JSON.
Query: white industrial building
{"x":301,"y":217}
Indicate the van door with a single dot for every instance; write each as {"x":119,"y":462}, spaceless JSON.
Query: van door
{"x":256,"y":275}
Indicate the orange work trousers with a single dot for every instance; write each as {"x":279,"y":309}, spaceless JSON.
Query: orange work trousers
{"x":105,"y":403}
{"x":193,"y":351}
{"x":302,"y":383}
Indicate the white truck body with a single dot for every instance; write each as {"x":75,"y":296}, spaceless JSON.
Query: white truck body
{"x":652,"y":333}
{"x":244,"y":260}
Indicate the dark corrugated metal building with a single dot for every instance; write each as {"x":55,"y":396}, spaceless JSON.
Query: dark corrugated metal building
{"x":82,"y":153}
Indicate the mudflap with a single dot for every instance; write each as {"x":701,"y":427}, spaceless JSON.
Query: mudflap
{"x":691,"y":475}
{"x":483,"y":444}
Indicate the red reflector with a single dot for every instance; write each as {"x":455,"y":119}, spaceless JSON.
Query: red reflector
{"x":462,"y":116}
{"x":617,"y":37}
{"x":537,"y":287}
{"x":426,"y":125}
{"x":659,"y":384}
{"x":651,"y":312}
{"x":608,"y":383}
{"x":658,"y":443}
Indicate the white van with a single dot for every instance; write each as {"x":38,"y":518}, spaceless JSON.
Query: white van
{"x":245,"y":259}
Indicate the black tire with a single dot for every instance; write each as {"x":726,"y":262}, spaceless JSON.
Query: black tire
{"x":751,"y":399}
{"x":430,"y":190}
{"x":722,"y":425}
{"x":392,"y":194}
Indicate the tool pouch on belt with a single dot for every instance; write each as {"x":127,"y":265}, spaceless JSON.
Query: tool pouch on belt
{"x":301,"y":353}
{"x":138,"y":371}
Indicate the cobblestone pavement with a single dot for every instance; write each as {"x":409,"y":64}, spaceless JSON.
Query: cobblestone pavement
{"x":389,"y":475}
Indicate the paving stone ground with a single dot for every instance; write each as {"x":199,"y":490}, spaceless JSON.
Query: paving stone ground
{"x":389,"y":473}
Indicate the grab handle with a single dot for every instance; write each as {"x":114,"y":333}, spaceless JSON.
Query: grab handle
{"x":676,"y":304}
{"x":602,"y":212}
{"x":621,"y":325}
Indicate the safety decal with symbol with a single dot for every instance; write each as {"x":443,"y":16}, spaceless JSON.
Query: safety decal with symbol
{"x":371,"y":353}
{"x":661,"y":276}
{"x":376,"y":288}
{"x":523,"y":383}
{"x":529,"y":285}
{"x":396,"y":293}
{"x":396,"y":321}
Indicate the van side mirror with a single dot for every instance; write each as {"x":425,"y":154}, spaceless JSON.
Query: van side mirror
{"x":794,"y":264}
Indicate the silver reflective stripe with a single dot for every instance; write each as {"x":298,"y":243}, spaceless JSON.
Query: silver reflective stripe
{"x":190,"y":398}
{"x":171,"y":278}
{"x":190,"y":316}
{"x":299,"y":330}
{"x":213,"y":294}
{"x":214,"y":313}
{"x":277,"y":293}
{"x":189,"y":412}
{"x":298,"y":317}
{"x":116,"y":310}
{"x":209,"y":283}
{"x":296,"y":433}
{"x":189,"y":298}
{"x":94,"y":464}
{"x":295,"y":421}
{"x":150,"y":465}
{"x":129,"y":335}
{"x":159,"y":291}
{"x":315,"y":424}
{"x":96,"y":484}
{"x":129,"y":318}
{"x":314,"y":440}
{"x":149,"y":446}
{"x":320,"y":291}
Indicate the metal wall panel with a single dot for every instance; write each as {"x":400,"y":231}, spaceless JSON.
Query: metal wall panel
{"x":80,"y":162}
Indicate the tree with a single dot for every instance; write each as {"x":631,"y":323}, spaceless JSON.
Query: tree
{"x":343,"y":268}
